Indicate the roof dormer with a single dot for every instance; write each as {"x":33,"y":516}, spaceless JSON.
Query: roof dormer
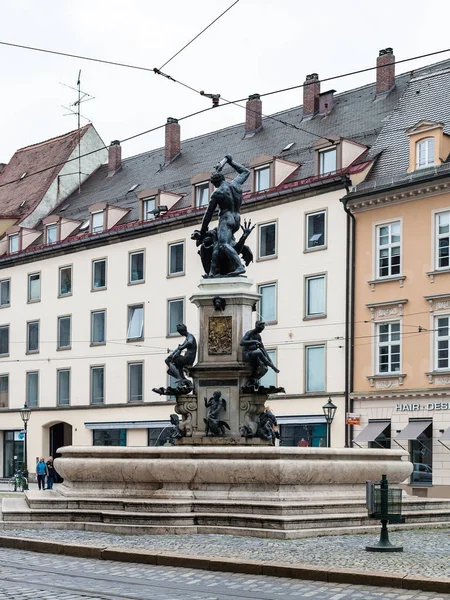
{"x":17,"y":239}
{"x":58,"y":228}
{"x":104,"y":216}
{"x":268,"y":171}
{"x":153,"y":202}
{"x":202,"y":189}
{"x":334,"y":154}
{"x":429,"y":146}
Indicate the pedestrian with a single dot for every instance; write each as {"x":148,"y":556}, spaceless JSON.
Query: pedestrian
{"x":51,"y":473}
{"x":41,"y":471}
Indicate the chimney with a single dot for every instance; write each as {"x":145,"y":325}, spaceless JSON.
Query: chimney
{"x":311,"y":91}
{"x":253,"y":114}
{"x":385,"y":71}
{"x":173,"y":145}
{"x":114,"y":157}
{"x":326,"y":102}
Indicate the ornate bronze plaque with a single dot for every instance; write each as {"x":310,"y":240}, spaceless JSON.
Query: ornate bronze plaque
{"x":220,"y":336}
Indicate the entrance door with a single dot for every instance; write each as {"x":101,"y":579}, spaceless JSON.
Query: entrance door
{"x":60,"y":435}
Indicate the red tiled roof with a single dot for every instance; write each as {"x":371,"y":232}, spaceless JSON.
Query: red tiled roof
{"x":21,"y":197}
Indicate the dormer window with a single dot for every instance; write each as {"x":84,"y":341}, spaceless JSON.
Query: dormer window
{"x":148,"y":205}
{"x":51,"y":234}
{"x":327,"y":160}
{"x":97,"y":222}
{"x":262,"y":178}
{"x":202,"y":194}
{"x":13,"y":243}
{"x":425,"y":153}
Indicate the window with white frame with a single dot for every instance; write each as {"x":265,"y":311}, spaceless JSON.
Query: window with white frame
{"x":99,"y":274}
{"x":4,"y":340}
{"x":315,"y":368}
{"x":262,"y":178}
{"x":135,"y":322}
{"x":315,"y":295}
{"x":63,"y":385}
{"x":315,"y":229}
{"x":388,"y":249}
{"x":64,"y":333}
{"x":268,"y":302}
{"x":176,"y":258}
{"x":202,"y":194}
{"x":175,"y":310}
{"x":442,"y":338}
{"x":97,"y":385}
{"x":267,"y":240}
{"x":136,"y":267}
{"x":98,"y":221}
{"x":135,"y":387}
{"x":98,"y":327}
{"x":425,"y":153}
{"x":388,"y":347}
{"x":32,"y":395}
{"x":32,"y":337}
{"x":34,"y":287}
{"x":4,"y":391}
{"x":148,"y":206}
{"x":65,"y":281}
{"x":5,"y":292}
{"x":51,"y":234}
{"x":442,"y":240}
{"x":13,"y":243}
{"x":270,"y":378}
{"x":327,"y":161}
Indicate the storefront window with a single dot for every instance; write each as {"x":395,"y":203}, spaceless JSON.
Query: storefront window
{"x":383,"y":440}
{"x":110,"y":437}
{"x":12,"y":452}
{"x":303,"y":435}
{"x":421,"y":455}
{"x":159,"y":436}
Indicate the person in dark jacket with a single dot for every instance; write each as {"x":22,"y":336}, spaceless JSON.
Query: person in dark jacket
{"x":51,"y":473}
{"x":41,"y":471}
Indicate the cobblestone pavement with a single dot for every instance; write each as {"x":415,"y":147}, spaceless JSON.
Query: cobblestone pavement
{"x":25,"y":575}
{"x":426,"y":551}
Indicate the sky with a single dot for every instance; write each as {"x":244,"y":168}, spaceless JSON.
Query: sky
{"x":258,"y":46}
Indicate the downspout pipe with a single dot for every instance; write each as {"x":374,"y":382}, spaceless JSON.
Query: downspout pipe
{"x":349,"y":310}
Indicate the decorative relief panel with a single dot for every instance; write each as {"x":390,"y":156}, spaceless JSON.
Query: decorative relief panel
{"x":437,"y":303}
{"x":439,"y":378}
{"x":386,"y":382}
{"x":386,"y":310}
{"x":220,"y":336}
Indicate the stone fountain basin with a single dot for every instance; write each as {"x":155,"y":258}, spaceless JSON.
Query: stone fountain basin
{"x":270,"y":473}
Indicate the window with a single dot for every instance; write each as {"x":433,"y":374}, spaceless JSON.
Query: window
{"x":4,"y":339}
{"x":135,"y":322}
{"x":421,"y":455}
{"x":14,"y":243}
{"x":148,"y":206}
{"x":5,"y":296}
{"x":388,"y":335}
{"x":135,"y":382}
{"x":383,"y":440}
{"x":159,"y":436}
{"x":388,"y":249}
{"x":303,"y":436}
{"x":268,"y":302}
{"x":136,"y":267}
{"x":63,"y":376}
{"x":176,"y":258}
{"x":99,"y":274}
{"x":32,"y":337}
{"x":33,"y":388}
{"x":97,"y":222}
{"x":315,"y":230}
{"x":98,"y":327}
{"x":442,"y":240}
{"x":315,"y":296}
{"x":64,"y":326}
{"x":51,"y":234}
{"x":4,"y":391}
{"x":175,"y":315}
{"x":34,"y":287}
{"x":262,"y":178}
{"x":202,"y":195}
{"x":65,"y":281}
{"x":270,"y":378}
{"x":315,"y":368}
{"x":442,"y":343}
{"x":327,"y":161}
{"x":425,"y":153}
{"x":109,"y":437}
{"x":267,"y":240}
{"x":97,"y":385}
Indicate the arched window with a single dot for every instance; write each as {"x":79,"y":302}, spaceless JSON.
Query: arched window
{"x":425,"y":153}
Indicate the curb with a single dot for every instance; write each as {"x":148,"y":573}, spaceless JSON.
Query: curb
{"x":230,"y":565}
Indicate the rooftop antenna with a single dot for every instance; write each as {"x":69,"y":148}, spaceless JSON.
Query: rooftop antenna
{"x":74,"y":109}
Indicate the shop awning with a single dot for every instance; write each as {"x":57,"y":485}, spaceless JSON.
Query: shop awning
{"x":371,"y":432}
{"x":127,"y":424}
{"x":413,"y":430}
{"x":445,"y":435}
{"x":300,"y":419}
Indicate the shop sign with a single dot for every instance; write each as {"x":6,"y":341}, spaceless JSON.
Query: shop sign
{"x":428,"y":406}
{"x":353,"y":419}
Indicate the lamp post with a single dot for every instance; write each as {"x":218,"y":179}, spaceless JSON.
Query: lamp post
{"x":25,"y":414}
{"x":329,"y":410}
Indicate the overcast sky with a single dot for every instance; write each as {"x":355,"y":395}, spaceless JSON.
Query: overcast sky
{"x":257,"y":47}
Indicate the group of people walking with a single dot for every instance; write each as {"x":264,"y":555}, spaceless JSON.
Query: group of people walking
{"x":46,"y":473}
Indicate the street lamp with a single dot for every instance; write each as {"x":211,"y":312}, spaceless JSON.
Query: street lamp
{"x":25,"y":414}
{"x":329,"y":410}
